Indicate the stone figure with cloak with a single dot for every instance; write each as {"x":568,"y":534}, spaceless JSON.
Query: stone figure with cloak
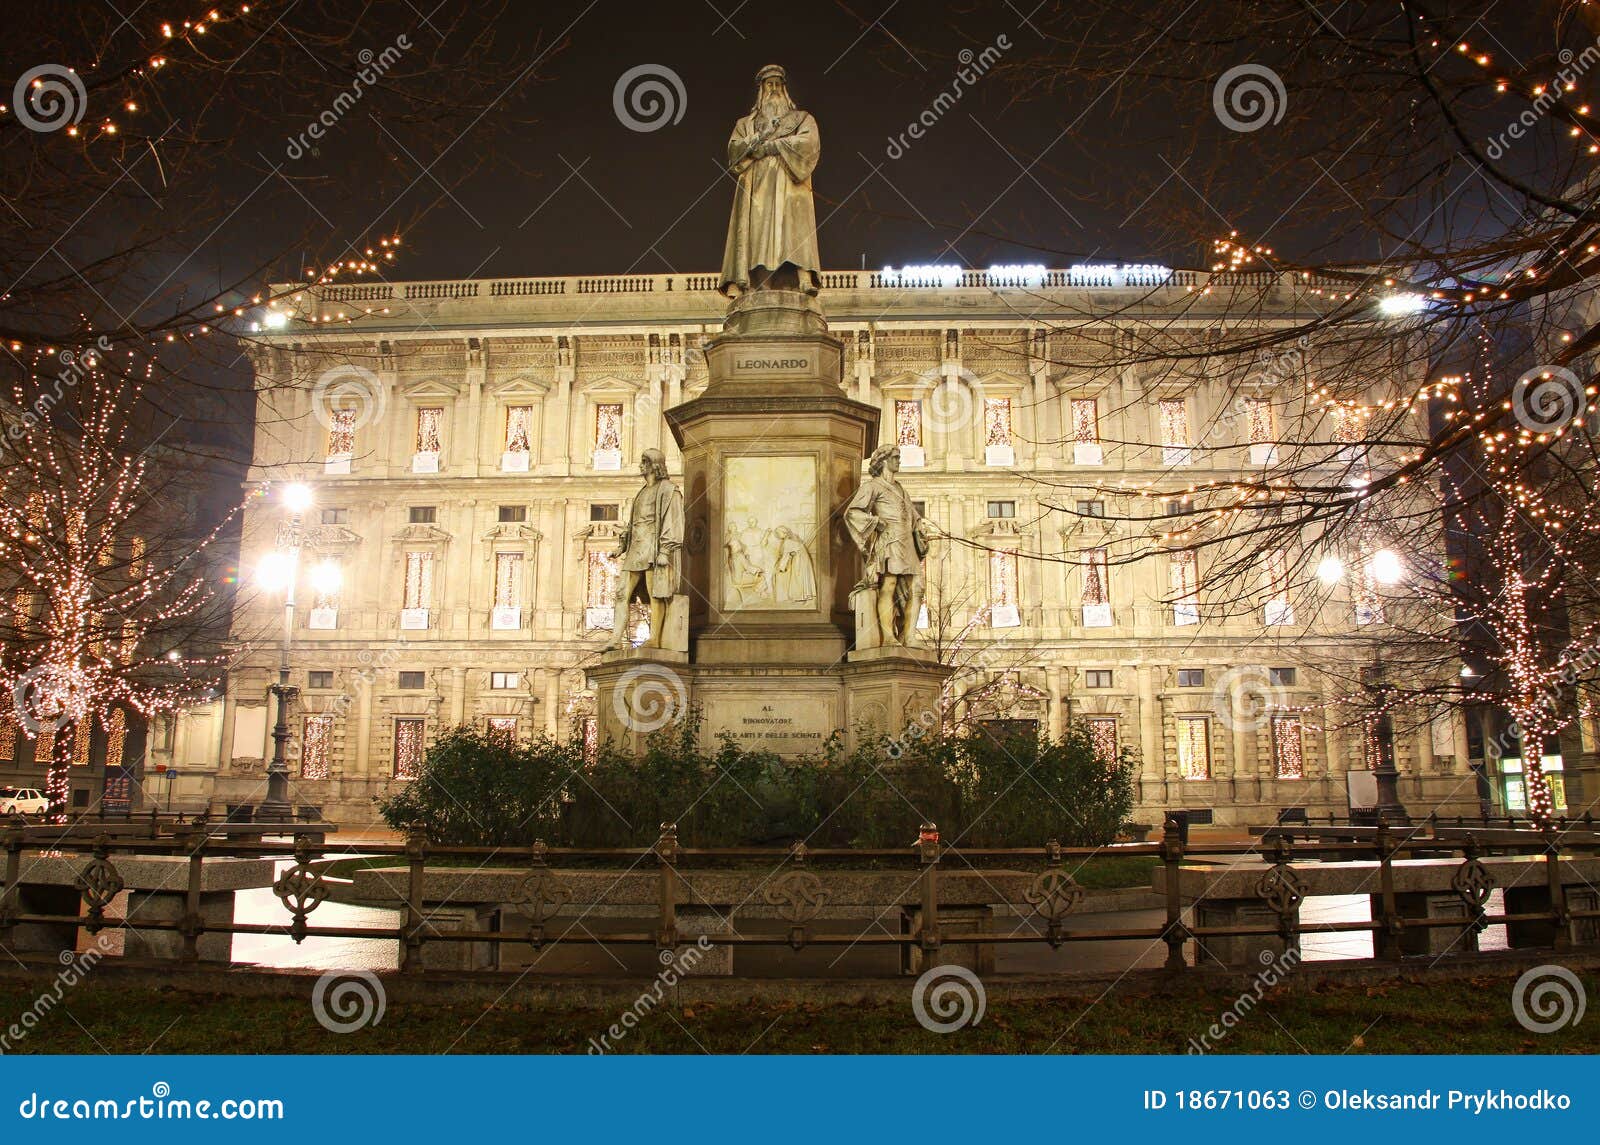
{"x":772,"y":233}
{"x":886,"y":527}
{"x":649,"y":550}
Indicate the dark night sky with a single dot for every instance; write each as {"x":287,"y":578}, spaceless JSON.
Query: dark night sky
{"x":606,"y":199}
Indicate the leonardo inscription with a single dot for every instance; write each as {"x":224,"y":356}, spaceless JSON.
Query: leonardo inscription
{"x":762,"y":363}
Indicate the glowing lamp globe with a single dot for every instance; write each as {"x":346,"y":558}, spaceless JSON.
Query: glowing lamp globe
{"x":297,"y":497}
{"x":1330,"y":570}
{"x":326,"y":578}
{"x":275,"y":571}
{"x":1386,"y":568}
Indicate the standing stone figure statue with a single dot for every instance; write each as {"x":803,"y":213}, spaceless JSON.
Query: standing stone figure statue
{"x":772,"y":233}
{"x":649,"y":564}
{"x":886,"y":527}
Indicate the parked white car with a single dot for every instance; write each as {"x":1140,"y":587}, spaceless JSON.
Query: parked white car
{"x":22,"y":801}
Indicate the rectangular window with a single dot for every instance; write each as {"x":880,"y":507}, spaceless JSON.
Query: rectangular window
{"x":600,"y":590}
{"x":1175,"y":444}
{"x":1097,"y":678}
{"x":316,"y":747}
{"x":1091,"y":508}
{"x":608,"y":435}
{"x":1002,"y":508}
{"x":1096,"y":589}
{"x":1281,"y":677}
{"x":1175,"y":507}
{"x":513,"y":514}
{"x":412,"y":680}
{"x":80,"y":743}
{"x":1369,"y":605}
{"x":519,"y":419}
{"x":1349,"y":430}
{"x":419,"y":579}
{"x":408,"y":734}
{"x":1258,"y":427}
{"x":336,"y":516}
{"x":342,"y":433}
{"x":503,"y":681}
{"x":1086,"y":446}
{"x":997,"y":447}
{"x":1191,"y":677}
{"x":908,"y":434}
{"x":1103,"y":735}
{"x":1194,"y":747}
{"x":1183,"y":580}
{"x":430,"y":420}
{"x":1003,"y":604}
{"x":8,"y":736}
{"x":603,"y":512}
{"x":319,"y":679}
{"x":1275,"y":578}
{"x":508,"y":588}
{"x":422,"y":514}
{"x":503,"y":728}
{"x":1288,"y":748}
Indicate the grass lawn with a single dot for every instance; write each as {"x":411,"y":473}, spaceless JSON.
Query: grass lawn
{"x":1437,"y":1016}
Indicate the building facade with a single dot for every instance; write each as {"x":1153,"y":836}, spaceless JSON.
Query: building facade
{"x":472,"y":447}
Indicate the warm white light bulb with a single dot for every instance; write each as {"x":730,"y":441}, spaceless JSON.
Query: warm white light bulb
{"x":326,"y":578}
{"x":297,"y":497}
{"x":275,"y":571}
{"x":1386,"y":568}
{"x":1330,"y":570}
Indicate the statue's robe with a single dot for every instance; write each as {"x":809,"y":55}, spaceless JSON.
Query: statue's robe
{"x":774,"y":221}
{"x":653,"y":538}
{"x":882,"y":520}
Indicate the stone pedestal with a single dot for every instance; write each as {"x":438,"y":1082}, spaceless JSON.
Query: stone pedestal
{"x":975,"y":956}
{"x":44,"y":937}
{"x":216,"y":908}
{"x":458,"y":955}
{"x":693,"y":960}
{"x":1251,"y":951}
{"x":1430,"y":939}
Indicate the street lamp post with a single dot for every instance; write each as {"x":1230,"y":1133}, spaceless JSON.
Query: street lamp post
{"x":1381,"y":751}
{"x":283,"y":567}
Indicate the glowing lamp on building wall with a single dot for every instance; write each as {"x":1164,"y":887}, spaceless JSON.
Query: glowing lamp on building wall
{"x":1386,"y":567}
{"x":326,"y":578}
{"x":297,"y":497}
{"x":275,"y":571}
{"x":1330,"y":570}
{"x":1401,"y":305}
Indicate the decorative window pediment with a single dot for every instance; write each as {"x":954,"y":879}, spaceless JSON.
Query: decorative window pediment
{"x":596,"y":531}
{"x":331,"y":537}
{"x":514,"y":532}
{"x":431,"y":389}
{"x":520,"y":388}
{"x":423,"y":534}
